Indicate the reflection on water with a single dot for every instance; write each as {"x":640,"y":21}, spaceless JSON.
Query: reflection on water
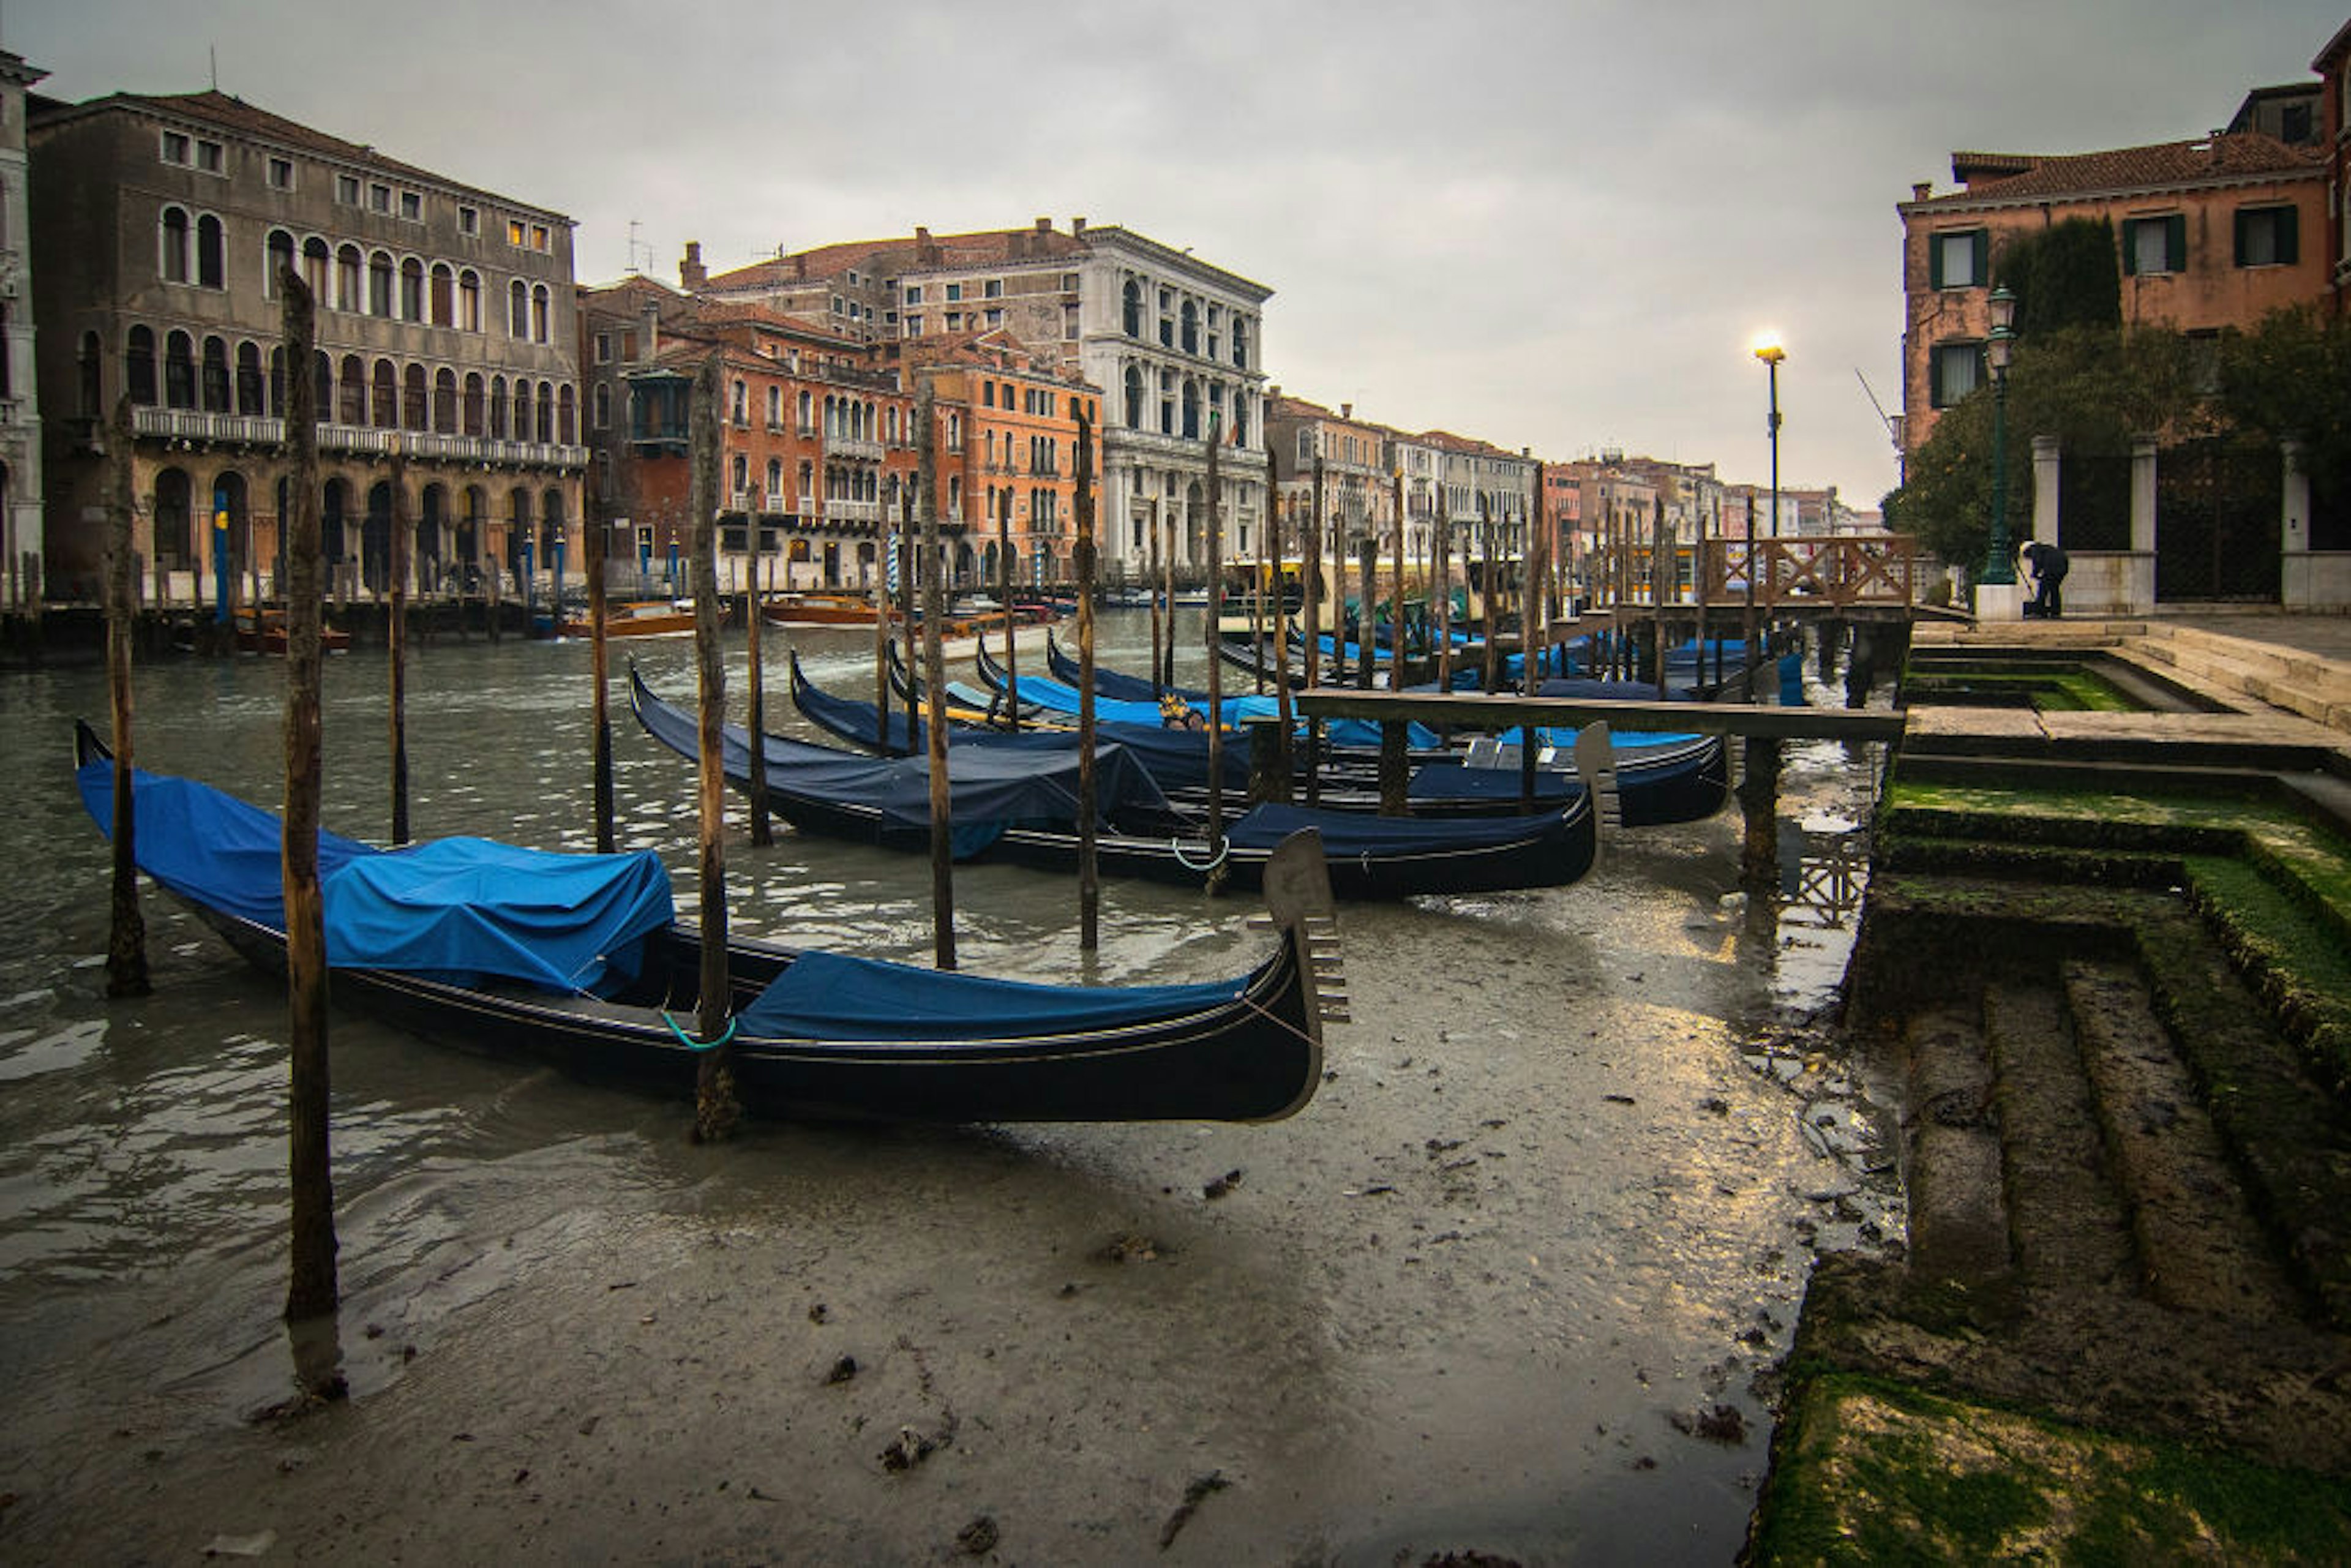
{"x":1553,"y":1184}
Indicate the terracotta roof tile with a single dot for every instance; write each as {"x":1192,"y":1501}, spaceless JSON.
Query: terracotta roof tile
{"x":2243,"y":155}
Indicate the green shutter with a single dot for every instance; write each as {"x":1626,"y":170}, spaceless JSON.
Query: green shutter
{"x":2288,"y":240}
{"x":2244,"y":225}
{"x":1934,"y":260}
{"x":2175,"y":242}
{"x":1982,"y":260}
{"x":2130,"y":246}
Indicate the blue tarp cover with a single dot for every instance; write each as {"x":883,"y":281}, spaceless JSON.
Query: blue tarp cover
{"x":826,"y":996}
{"x":988,"y":789}
{"x":1455,"y":782}
{"x":457,"y":907}
{"x":1348,"y":833}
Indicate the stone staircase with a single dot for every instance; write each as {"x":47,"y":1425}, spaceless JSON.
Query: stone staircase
{"x":2315,"y":688}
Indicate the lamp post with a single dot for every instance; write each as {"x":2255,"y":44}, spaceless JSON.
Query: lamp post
{"x":1769,"y":351}
{"x":2000,"y":568}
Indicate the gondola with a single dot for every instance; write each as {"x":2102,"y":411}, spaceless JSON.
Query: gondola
{"x":577,"y":960}
{"x":1022,"y":806}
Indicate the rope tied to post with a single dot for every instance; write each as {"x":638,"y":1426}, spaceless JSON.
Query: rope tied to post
{"x":691,"y":1043}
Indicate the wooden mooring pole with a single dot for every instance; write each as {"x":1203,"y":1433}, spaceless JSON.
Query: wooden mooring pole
{"x":125,"y":943}
{"x":1089,"y":876}
{"x":1215,"y":530}
{"x":311,"y":1288}
{"x":762,"y":832}
{"x":931,"y":567}
{"x":715,"y":1107}
{"x":600,"y":668}
{"x":396,"y":639}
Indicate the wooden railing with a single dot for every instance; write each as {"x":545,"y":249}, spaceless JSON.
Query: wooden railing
{"x":1877,"y":569}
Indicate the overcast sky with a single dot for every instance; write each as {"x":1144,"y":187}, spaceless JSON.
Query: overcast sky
{"x":1557,"y":225}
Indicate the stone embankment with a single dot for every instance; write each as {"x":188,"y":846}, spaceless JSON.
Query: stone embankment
{"x":2105,"y":953}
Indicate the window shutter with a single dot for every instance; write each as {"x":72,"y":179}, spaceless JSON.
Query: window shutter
{"x":2130,"y":248}
{"x":1982,"y":257}
{"x":2175,"y":242}
{"x":2245,"y":224}
{"x":2288,"y":246}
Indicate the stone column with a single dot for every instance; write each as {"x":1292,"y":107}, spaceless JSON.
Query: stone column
{"x":2139,"y":587}
{"x":2295,"y":588}
{"x":2046,"y":458}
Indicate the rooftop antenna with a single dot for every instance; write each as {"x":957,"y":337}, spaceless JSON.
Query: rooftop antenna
{"x":211,"y":53}
{"x":631,"y":264}
{"x":1893,"y":426}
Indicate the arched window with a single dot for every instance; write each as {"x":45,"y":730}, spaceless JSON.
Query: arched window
{"x":807,"y":420}
{"x":88,"y":397}
{"x":215,"y":385}
{"x":380,"y":284}
{"x":473,"y":409}
{"x":497,"y":408}
{"x":412,"y":290}
{"x":1240,"y":419}
{"x":172,"y":262}
{"x":350,"y":391}
{"x":539,"y":314}
{"x":775,"y":478}
{"x":1166,"y":403}
{"x":444,"y":402}
{"x":415,"y":413}
{"x":603,"y":405}
{"x":276,"y":409}
{"x":179,"y":370}
{"x":545,"y":413}
{"x":1131,"y":308}
{"x":469,"y":301}
{"x":322,"y":387}
{"x":741,"y":470}
{"x":1191,"y":409}
{"x":385,"y":403}
{"x":1190,"y":320}
{"x":522,"y":411}
{"x":211,"y":253}
{"x":567,"y":416}
{"x":313,"y":270}
{"x":740,"y":405}
{"x":1240,"y":341}
{"x":347,"y":280}
{"x":1134,"y":397}
{"x":277,"y":254}
{"x":139,"y":366}
{"x":445,"y":295}
{"x":518,"y":309}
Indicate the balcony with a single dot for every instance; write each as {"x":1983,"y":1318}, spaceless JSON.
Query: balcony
{"x":852,"y":446}
{"x":852,"y":511}
{"x":254,"y":430}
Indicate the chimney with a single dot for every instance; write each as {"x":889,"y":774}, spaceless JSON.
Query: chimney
{"x":1044,"y":225}
{"x":1077,"y":227}
{"x":1921,"y":189}
{"x":691,"y":274}
{"x":653,"y":331}
{"x":1346,"y":411}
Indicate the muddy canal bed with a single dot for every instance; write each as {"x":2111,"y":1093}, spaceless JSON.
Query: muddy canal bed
{"x":1515,"y":1282}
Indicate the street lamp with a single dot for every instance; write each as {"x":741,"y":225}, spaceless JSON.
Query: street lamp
{"x":1999,"y":568}
{"x":1767,"y":349}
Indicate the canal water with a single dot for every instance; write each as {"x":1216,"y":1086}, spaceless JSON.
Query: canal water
{"x":1498,"y":1287}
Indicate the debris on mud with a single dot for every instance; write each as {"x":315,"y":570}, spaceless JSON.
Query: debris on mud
{"x":1193,"y":1495}
{"x":1723,"y":1424}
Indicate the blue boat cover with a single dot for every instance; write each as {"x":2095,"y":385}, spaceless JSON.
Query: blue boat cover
{"x":1346,"y":833}
{"x":829,"y":995}
{"x":1457,"y":781}
{"x":1114,"y":684}
{"x":456,"y":908}
{"x":989,"y":788}
{"x":1061,"y":697}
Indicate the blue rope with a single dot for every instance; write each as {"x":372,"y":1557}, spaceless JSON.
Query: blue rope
{"x":691,"y":1043}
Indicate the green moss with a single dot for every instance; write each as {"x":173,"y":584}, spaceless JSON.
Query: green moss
{"x":1872,"y":1471}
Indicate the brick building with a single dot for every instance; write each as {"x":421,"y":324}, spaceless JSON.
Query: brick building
{"x":444,"y":336}
{"x":2334,"y":68}
{"x":20,"y":402}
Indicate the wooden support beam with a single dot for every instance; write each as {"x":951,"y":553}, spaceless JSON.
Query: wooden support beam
{"x":1465,"y":710}
{"x":1758,"y":800}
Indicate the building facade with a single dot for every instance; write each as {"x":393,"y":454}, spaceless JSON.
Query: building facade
{"x":2212,"y":234}
{"x":445,"y":339}
{"x":1358,"y":485}
{"x":21,"y":567}
{"x":2334,"y":68}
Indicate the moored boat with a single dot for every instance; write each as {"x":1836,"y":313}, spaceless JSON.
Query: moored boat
{"x":579,"y":960}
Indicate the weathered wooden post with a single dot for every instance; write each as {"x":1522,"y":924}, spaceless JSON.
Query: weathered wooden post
{"x":1661,"y":577}
{"x":1367,"y":616}
{"x":1490,"y":678}
{"x":762,"y":833}
{"x":1089,"y":876}
{"x":1167,"y":590}
{"x":715,"y":1107}
{"x":1158,"y":605}
{"x":885,"y":551}
{"x":1004,"y":602}
{"x":1534,"y":572}
{"x":396,"y":637}
{"x":1311,"y":550}
{"x":1759,"y":800}
{"x":1284,"y":753}
{"x":935,"y":679}
{"x":311,"y":1288}
{"x":1441,"y":551}
{"x":599,"y":664}
{"x":126,"y":943}
{"x":1396,"y":681}
{"x":1215,"y":530}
